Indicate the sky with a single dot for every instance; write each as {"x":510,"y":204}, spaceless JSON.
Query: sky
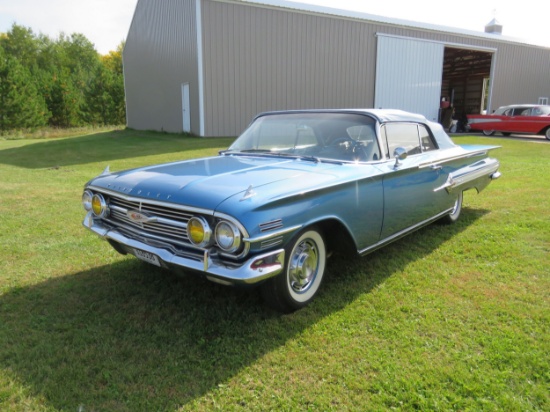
{"x":106,"y":22}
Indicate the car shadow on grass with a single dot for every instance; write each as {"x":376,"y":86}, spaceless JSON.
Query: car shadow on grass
{"x":103,"y":147}
{"x":129,"y":336}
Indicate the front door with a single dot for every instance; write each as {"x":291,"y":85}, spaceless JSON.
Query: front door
{"x":409,"y":196}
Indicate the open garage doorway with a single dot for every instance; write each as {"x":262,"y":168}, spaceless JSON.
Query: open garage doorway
{"x":465,"y":86}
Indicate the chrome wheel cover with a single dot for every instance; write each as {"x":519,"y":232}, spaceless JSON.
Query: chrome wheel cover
{"x":456,"y":206}
{"x":303,"y":266}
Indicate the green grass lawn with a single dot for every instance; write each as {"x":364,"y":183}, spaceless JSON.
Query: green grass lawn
{"x":449,"y":318}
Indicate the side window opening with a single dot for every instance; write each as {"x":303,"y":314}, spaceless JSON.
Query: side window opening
{"x":426,"y":139}
{"x":415,"y":138}
{"x":518,"y":111}
{"x":402,"y":135}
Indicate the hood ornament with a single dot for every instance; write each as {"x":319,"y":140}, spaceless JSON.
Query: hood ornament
{"x":249,"y":193}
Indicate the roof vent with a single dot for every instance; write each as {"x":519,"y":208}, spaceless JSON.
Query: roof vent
{"x":493,"y":27}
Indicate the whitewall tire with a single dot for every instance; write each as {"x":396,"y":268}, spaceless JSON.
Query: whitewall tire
{"x":305,"y":264}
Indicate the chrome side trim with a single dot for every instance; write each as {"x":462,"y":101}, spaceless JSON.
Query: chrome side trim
{"x":471,"y":174}
{"x":468,"y":155}
{"x":272,"y":234}
{"x":272,"y":225}
{"x":404,"y":232}
{"x":271,"y":243}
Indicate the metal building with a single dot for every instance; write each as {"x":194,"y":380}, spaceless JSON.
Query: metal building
{"x":208,"y":66}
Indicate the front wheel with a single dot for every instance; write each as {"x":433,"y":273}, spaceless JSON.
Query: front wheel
{"x":547,"y":134}
{"x":488,"y":132}
{"x":454,"y":214}
{"x":304,"y":270}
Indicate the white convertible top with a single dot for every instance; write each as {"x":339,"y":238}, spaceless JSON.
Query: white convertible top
{"x":386,"y":116}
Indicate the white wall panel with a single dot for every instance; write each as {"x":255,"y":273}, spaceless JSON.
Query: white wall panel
{"x":408,"y":75}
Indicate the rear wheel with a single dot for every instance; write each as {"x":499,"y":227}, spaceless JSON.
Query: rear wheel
{"x":304,"y":270}
{"x":488,"y":132}
{"x":547,"y":134}
{"x":454,"y":214}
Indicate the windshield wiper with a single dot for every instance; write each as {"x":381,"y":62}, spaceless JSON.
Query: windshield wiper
{"x":229,"y":151}
{"x":279,"y":154}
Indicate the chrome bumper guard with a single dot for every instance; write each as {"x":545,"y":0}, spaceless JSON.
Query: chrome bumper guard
{"x":251,"y":271}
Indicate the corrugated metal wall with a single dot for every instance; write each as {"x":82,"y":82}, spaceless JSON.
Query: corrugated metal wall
{"x":161,"y":54}
{"x":258,"y":57}
{"x":521,"y":75}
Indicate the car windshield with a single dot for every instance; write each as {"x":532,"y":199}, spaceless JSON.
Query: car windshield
{"x":343,"y":137}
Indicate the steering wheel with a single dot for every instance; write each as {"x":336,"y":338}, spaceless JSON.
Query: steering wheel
{"x":341,"y":140}
{"x":350,"y":145}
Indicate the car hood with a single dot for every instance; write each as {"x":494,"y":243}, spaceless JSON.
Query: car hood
{"x":205,"y":183}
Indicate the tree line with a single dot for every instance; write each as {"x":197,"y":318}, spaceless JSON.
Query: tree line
{"x":62,"y":82}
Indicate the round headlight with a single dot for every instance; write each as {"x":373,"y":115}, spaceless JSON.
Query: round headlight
{"x":87,"y":200}
{"x":198,"y":231}
{"x":99,"y":206}
{"x":228,"y":236}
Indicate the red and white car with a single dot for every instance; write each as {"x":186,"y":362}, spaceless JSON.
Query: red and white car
{"x":520,"y":118}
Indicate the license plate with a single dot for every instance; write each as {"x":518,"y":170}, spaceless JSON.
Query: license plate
{"x":147,"y":257}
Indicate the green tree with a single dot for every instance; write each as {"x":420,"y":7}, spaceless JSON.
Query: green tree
{"x":20,"y":43}
{"x":76,"y":64}
{"x":107,"y":92}
{"x":64,"y":99}
{"x":67,"y":74}
{"x":21,"y":106}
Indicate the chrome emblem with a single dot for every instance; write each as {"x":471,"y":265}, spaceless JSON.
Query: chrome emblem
{"x":138,"y":217}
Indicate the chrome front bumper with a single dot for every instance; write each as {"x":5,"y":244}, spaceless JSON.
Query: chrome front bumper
{"x":253,"y":270}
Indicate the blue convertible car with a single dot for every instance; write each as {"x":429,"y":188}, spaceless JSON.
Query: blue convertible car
{"x":292,"y":187}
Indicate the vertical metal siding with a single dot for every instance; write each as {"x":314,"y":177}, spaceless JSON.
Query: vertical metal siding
{"x":408,"y":75}
{"x":266,"y":59}
{"x":160,"y":54}
{"x":522,"y":75}
{"x":258,"y":57}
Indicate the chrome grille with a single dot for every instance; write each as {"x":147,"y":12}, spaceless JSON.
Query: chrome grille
{"x":170,"y":223}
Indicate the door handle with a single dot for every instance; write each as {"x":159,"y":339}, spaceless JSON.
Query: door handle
{"x":436,"y":167}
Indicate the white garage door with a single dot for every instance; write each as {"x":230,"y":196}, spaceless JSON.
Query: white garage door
{"x":408,"y":75}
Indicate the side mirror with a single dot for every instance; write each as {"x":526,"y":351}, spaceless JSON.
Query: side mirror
{"x":400,"y":153}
